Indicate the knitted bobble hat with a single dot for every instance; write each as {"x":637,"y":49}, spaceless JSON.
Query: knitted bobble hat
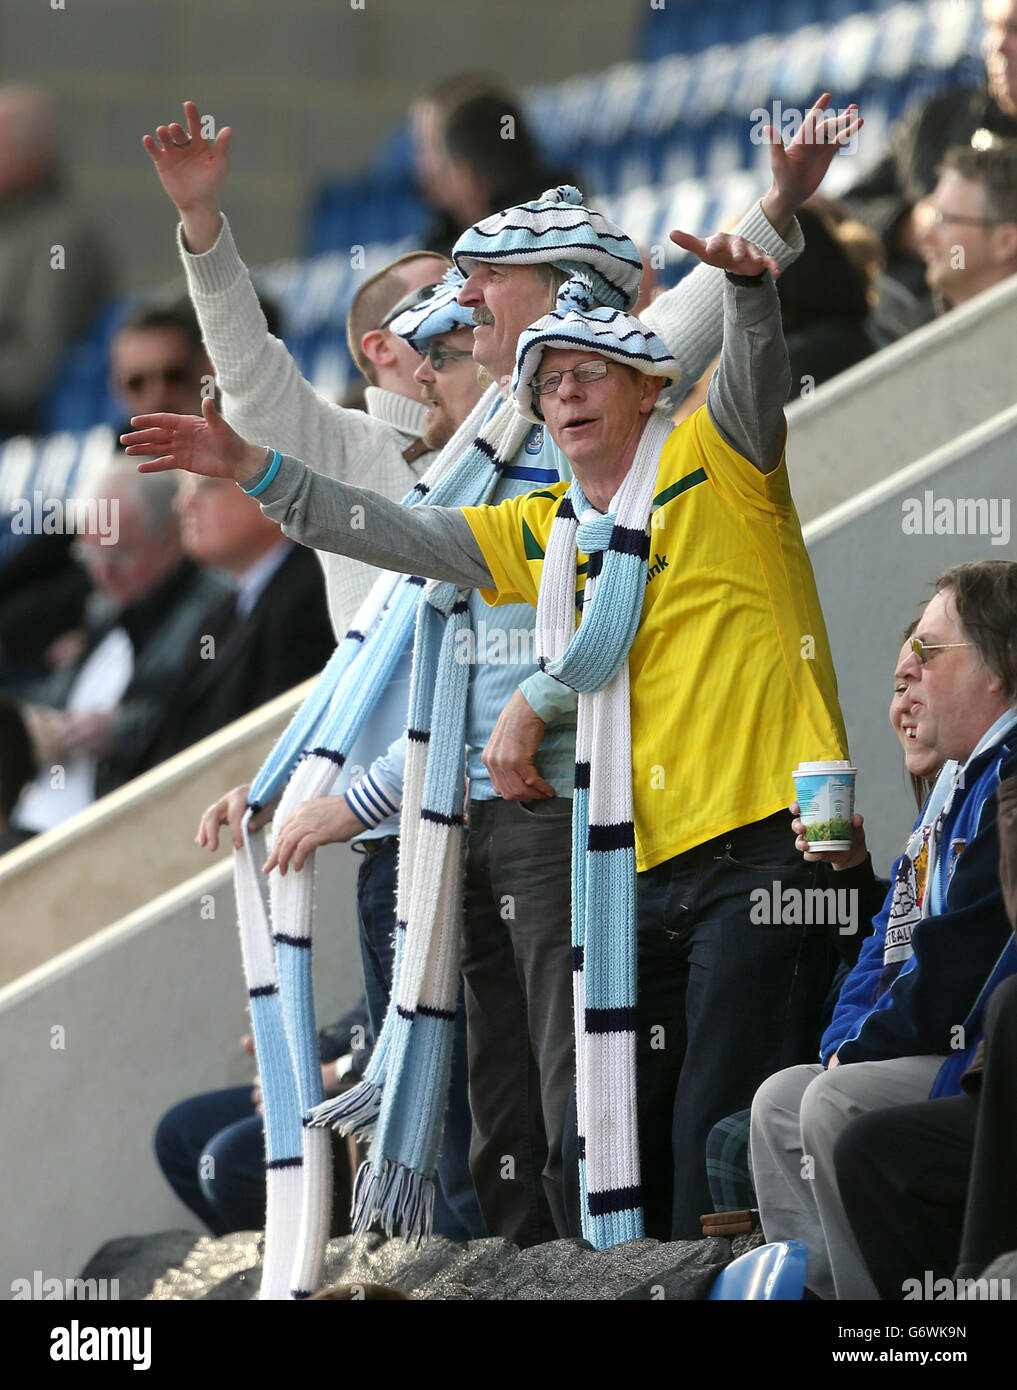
{"x":556,"y":229}
{"x":436,"y":309}
{"x":577,"y":324}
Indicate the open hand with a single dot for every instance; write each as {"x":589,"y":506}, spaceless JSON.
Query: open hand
{"x":192,"y":171}
{"x":202,"y":444}
{"x":800,"y":166}
{"x":728,"y":252}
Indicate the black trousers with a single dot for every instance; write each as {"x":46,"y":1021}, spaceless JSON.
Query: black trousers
{"x":929,"y":1188}
{"x":727,"y":996}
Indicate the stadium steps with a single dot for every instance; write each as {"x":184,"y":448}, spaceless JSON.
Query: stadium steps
{"x":903,"y":403}
{"x":99,"y":1042}
{"x":129,"y":847}
{"x":873,"y":577}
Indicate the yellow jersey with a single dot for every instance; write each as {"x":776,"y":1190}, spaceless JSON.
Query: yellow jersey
{"x":731,"y":679}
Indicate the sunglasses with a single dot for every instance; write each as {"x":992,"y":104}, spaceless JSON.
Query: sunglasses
{"x":920,"y":648}
{"x":439,"y":356}
{"x":169,"y":376}
{"x":410,"y":301}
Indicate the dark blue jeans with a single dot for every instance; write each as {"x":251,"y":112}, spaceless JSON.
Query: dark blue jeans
{"x":212,"y":1151}
{"x":723,"y":1003}
{"x":456,"y":1210}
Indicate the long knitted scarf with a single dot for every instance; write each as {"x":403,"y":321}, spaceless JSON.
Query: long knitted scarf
{"x":594,"y":661}
{"x":401,"y":1101}
{"x":305,"y":761}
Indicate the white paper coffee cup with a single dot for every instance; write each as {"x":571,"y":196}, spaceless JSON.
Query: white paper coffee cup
{"x":826,"y":795}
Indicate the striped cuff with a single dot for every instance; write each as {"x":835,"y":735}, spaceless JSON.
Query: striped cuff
{"x":369,"y":803}
{"x":255,"y":486}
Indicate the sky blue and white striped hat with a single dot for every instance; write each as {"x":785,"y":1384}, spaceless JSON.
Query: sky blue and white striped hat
{"x":576,"y":323}
{"x":556,"y":229}
{"x":435,"y":309}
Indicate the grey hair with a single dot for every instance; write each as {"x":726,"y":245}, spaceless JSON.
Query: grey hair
{"x":154,"y":494}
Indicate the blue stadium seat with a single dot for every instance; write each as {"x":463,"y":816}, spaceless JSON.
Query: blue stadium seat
{"x":773,"y":1272}
{"x":680,"y":121}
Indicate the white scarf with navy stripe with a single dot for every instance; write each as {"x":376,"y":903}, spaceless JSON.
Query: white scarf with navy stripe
{"x":277,"y":946}
{"x":594,"y":661}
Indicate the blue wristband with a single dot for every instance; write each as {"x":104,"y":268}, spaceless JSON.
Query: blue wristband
{"x":273,"y":469}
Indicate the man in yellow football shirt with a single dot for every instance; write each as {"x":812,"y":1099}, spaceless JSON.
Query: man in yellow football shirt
{"x":691,"y":546}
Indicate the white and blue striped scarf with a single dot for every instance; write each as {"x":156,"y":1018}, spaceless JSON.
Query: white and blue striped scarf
{"x":305,"y":761}
{"x":593,"y":660}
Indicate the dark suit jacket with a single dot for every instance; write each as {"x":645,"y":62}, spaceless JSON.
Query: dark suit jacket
{"x":285,"y":638}
{"x":162,"y":626}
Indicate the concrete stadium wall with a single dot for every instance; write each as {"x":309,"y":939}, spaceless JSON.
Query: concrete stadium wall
{"x":127,"y":848}
{"x":873,"y":579}
{"x":100,"y":1042}
{"x":310,"y":87}
{"x":903,"y":403}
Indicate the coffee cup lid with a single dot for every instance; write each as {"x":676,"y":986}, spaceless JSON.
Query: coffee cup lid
{"x":832,"y":765}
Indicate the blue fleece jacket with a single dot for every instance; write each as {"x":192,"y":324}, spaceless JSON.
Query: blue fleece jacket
{"x":955,"y":951}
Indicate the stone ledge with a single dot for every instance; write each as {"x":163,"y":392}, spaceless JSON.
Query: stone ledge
{"x":177,"y":1265}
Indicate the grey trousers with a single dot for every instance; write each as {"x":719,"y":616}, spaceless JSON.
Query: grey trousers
{"x":517,"y":972}
{"x":797,"y":1116}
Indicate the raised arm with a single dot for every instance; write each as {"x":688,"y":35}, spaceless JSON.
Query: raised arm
{"x":748,"y":390}
{"x":264,"y":393}
{"x":690,"y":318}
{"x":319,"y":512}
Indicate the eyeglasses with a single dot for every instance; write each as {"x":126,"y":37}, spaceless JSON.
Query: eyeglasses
{"x":439,"y":356}
{"x":581,"y":373}
{"x":169,"y":376}
{"x":938,"y":218}
{"x":920,"y":648}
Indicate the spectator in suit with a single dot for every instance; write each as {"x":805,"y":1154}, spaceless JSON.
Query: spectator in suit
{"x":157,"y":361}
{"x":888,"y":199}
{"x":824,"y":306}
{"x":91,"y":721}
{"x":211,"y":1147}
{"x":268,"y":635}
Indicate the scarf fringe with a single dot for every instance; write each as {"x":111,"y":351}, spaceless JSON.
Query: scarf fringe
{"x":355,"y":1112}
{"x":396,"y":1197}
